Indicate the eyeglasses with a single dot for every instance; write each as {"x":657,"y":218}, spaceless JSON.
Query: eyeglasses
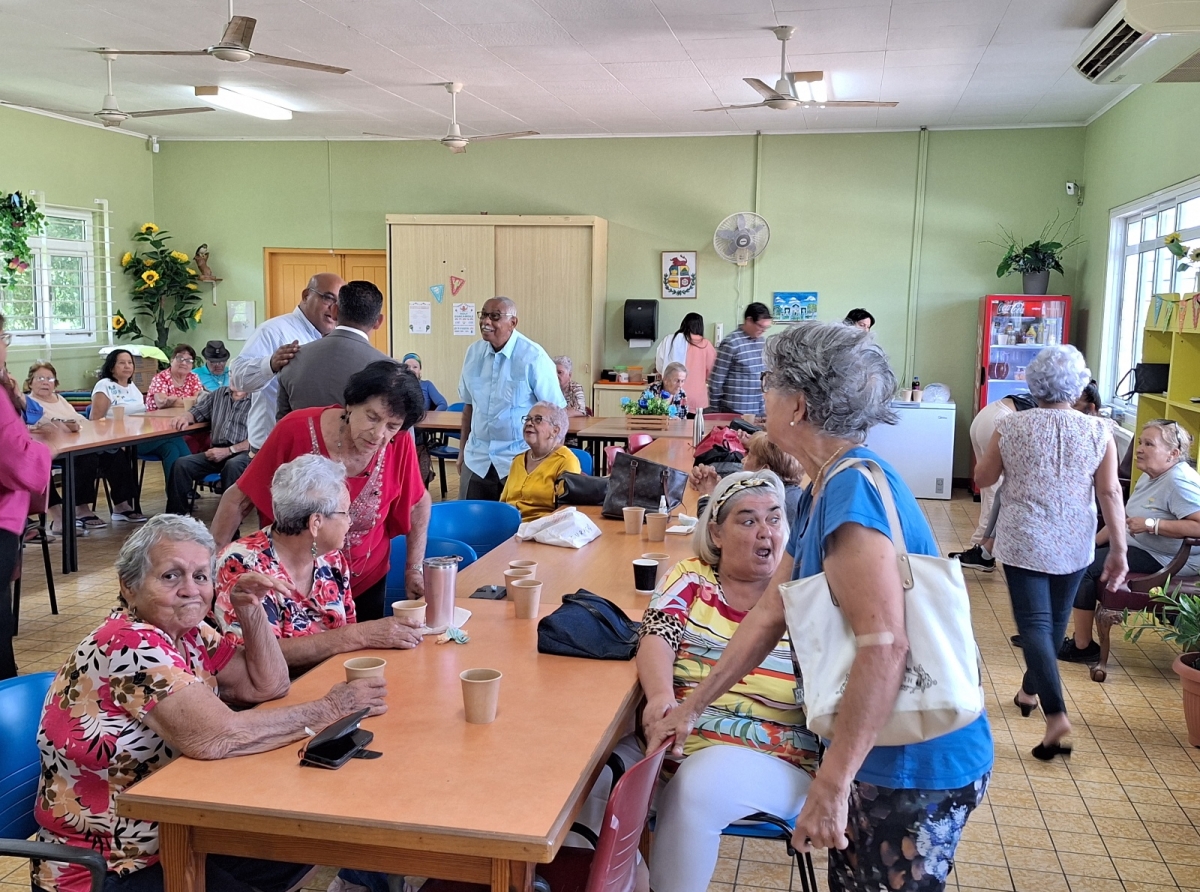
{"x":5,"y":337}
{"x":328,"y":296}
{"x":535,"y":419}
{"x":336,"y":513}
{"x":765,"y":380}
{"x":494,"y":317}
{"x":42,"y":379}
{"x":184,"y":359}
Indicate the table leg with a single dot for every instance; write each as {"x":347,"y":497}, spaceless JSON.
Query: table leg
{"x":510,"y":876}
{"x":183,"y":866}
{"x":70,"y":552}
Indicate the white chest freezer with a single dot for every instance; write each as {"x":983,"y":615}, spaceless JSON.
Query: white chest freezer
{"x":920,"y":447}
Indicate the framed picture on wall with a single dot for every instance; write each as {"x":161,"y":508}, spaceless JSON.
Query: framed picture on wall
{"x":794,"y":306}
{"x":678,"y":274}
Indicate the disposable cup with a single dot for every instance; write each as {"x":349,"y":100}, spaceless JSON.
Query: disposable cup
{"x":526,"y":595}
{"x":656,"y":526}
{"x":660,"y":556}
{"x":118,"y":413}
{"x":481,"y":694}
{"x":633,"y":520}
{"x":645,"y":572}
{"x":531,"y":566}
{"x":364,"y":667}
{"x":511,"y":575}
{"x":413,"y":610}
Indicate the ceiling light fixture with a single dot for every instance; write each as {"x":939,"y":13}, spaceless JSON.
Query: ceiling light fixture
{"x":246,"y":105}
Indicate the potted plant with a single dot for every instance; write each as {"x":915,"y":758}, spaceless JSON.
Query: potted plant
{"x":1034,"y":260}
{"x":1176,"y":618}
{"x":164,"y":289}
{"x":20,"y":220}
{"x":647,"y":413}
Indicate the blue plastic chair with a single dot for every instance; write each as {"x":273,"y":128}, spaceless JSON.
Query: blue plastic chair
{"x":443,"y":451}
{"x":482,"y":525}
{"x":433,"y":548}
{"x":21,"y":702}
{"x":585,"y":459}
{"x":761,"y":825}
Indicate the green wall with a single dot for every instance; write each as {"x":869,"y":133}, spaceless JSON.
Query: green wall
{"x":1147,"y":142}
{"x":72,"y":166}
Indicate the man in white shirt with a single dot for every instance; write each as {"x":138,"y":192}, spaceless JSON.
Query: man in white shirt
{"x":503,"y":377}
{"x":274,"y":344}
{"x":319,"y":375}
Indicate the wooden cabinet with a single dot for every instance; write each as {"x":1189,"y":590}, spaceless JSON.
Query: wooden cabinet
{"x":554,"y":268}
{"x":606,"y":397}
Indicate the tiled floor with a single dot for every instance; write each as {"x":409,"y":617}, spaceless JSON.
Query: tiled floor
{"x":1122,"y":814}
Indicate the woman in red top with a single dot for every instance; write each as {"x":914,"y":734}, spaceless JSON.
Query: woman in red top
{"x":388,"y":496}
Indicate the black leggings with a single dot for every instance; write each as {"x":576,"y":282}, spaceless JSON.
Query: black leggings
{"x":115,"y":468}
{"x":10,"y":553}
{"x":368,"y":604}
{"x":1139,"y":562}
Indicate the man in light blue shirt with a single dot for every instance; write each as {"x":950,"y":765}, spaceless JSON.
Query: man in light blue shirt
{"x":503,"y":377}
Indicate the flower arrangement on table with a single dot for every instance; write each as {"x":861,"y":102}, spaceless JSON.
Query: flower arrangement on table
{"x":20,"y":219}
{"x":164,"y":289}
{"x":1187,"y":259}
{"x":648,"y":413}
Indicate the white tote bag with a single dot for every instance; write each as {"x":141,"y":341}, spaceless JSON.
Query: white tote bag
{"x":941,"y":690}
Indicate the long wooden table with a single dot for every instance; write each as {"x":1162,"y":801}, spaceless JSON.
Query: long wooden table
{"x":102,"y":436}
{"x":451,"y":422}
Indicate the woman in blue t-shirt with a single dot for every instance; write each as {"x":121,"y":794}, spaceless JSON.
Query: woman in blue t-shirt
{"x":890,"y":815}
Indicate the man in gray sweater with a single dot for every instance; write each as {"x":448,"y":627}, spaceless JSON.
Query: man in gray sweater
{"x":319,"y":373}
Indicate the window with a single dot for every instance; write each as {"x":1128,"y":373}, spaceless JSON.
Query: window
{"x":56,"y":301}
{"x":1140,"y":266}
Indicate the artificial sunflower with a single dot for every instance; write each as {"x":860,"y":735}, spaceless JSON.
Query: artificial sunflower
{"x":127,"y":258}
{"x":150,"y":277}
{"x":118,"y":322}
{"x":192,"y":272}
{"x":1172,"y":239}
{"x":180,"y":256}
{"x":198,"y":314}
{"x":191,"y":287}
{"x":149,"y":261}
{"x":148,"y":229}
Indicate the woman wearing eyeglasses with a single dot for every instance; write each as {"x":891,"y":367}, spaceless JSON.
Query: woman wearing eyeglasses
{"x":530,"y":484}
{"x":170,"y":387}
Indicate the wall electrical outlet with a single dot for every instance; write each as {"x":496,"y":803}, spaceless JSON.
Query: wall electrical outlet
{"x":940,"y":485}
{"x":718,"y":332}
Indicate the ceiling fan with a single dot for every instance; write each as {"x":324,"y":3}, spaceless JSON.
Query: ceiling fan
{"x":234,"y":46}
{"x":454,"y":140}
{"x":796,"y":89}
{"x":110,"y":115}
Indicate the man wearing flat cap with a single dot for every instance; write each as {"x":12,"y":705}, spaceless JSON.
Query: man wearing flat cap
{"x":214,"y":373}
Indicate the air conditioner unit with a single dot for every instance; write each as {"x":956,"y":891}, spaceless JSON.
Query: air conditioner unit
{"x":1140,"y":41}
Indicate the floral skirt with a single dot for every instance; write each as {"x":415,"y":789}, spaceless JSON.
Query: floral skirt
{"x":902,"y":840}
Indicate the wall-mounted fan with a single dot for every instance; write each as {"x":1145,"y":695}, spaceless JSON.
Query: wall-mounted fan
{"x":741,"y":237}
{"x":454,"y":140}
{"x":110,"y":115}
{"x":234,"y":46}
{"x":796,"y":89}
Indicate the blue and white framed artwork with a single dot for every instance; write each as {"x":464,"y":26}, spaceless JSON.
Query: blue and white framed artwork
{"x":794,"y":306}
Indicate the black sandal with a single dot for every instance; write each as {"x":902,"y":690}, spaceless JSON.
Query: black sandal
{"x":1026,"y":708}
{"x":1047,"y":751}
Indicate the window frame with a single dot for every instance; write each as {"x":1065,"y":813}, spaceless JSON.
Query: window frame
{"x":1118,"y":253}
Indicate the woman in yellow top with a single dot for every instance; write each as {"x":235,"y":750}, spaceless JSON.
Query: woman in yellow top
{"x":530,"y":484}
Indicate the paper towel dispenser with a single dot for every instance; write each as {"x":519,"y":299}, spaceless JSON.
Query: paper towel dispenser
{"x":641,"y":320}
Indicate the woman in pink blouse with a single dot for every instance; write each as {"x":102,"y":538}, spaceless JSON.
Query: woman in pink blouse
{"x":170,"y":387}
{"x":696,"y":352}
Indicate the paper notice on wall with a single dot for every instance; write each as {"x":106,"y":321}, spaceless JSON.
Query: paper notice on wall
{"x":464,"y":319}
{"x":240,"y":319}
{"x":420,"y":317}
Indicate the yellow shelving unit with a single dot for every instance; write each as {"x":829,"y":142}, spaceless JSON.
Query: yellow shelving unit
{"x":1172,"y":336}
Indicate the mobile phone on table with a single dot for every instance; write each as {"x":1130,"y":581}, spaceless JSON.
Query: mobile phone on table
{"x":490,"y":593}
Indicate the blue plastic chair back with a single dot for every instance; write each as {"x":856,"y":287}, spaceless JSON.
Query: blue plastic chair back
{"x":433,"y":548}
{"x":482,"y":525}
{"x":585,"y":459}
{"x":21,"y":701}
{"x":446,"y":450}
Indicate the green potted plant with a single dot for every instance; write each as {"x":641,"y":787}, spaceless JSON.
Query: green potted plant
{"x":20,"y":220}
{"x":164,"y":290}
{"x":1034,"y":260}
{"x":1176,"y":619}
{"x":647,"y":413}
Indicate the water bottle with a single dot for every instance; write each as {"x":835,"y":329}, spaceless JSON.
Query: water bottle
{"x":698,"y":429}
{"x":916,"y":389}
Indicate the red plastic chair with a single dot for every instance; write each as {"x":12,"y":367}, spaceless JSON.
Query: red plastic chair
{"x":610,"y":455}
{"x":611,"y":866}
{"x":639,"y":441}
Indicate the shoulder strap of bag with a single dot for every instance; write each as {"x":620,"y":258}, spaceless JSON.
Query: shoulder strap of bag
{"x":873,"y":472}
{"x":584,"y":601}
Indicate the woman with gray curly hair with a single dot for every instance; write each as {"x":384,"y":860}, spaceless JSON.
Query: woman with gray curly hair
{"x":747,"y":750}
{"x":891,"y":816}
{"x":1056,"y":463}
{"x":312,"y":612}
{"x":147,"y":686}
{"x":530,"y":483}
{"x":572,"y":390}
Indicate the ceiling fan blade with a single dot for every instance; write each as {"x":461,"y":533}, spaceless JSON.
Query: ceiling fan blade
{"x":505,"y":135}
{"x":729,"y":107}
{"x":854,"y":104}
{"x":239,"y":31}
{"x":158,"y":52}
{"x":159,"y":112}
{"x":296,"y":63}
{"x":762,"y":89}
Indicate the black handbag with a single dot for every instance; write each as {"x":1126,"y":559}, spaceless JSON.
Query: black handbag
{"x":639,"y":483}
{"x":579,"y":489}
{"x":588,"y":626}
{"x":1148,"y":377}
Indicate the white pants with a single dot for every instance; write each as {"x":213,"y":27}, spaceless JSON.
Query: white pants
{"x":712,"y":789}
{"x":982,"y":428}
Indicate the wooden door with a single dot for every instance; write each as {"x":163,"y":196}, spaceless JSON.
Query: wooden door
{"x":371,"y":266}
{"x":289,"y":269}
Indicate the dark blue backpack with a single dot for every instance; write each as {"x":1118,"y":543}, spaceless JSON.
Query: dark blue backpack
{"x":589,"y":626}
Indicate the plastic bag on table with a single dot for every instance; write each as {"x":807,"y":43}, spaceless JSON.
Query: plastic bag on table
{"x":566,"y":527}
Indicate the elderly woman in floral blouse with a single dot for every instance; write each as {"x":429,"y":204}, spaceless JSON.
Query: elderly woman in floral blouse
{"x":670,"y":388}
{"x":170,"y":387}
{"x":572,"y":390}
{"x":146,"y":686}
{"x":313,"y":614}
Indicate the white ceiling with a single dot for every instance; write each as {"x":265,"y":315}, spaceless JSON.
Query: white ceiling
{"x":562,"y":67}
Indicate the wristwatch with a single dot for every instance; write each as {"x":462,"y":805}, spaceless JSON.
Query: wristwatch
{"x":1149,"y":523}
